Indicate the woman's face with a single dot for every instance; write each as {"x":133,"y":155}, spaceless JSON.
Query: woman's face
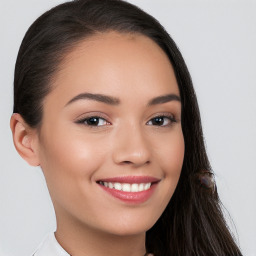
{"x":111,"y":145}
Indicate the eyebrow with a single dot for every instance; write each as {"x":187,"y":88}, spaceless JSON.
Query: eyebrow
{"x":110,"y":100}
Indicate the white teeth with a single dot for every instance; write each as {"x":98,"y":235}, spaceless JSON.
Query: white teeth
{"x":141,"y":187}
{"x":126,"y":186}
{"x":147,"y":186}
{"x":118,"y":186}
{"x":134,"y":188}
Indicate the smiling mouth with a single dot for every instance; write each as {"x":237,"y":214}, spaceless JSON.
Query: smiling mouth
{"x":130,"y":189}
{"x":126,"y":187}
{"x":129,"y":183}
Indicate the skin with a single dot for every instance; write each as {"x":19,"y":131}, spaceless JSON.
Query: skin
{"x":73,"y":156}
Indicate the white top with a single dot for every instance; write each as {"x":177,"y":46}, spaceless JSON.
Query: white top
{"x":50,"y":247}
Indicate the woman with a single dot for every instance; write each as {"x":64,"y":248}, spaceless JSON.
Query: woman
{"x":104,"y":104}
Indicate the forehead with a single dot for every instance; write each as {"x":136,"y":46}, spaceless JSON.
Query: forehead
{"x":125,"y":65}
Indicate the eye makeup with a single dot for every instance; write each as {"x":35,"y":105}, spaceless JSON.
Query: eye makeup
{"x":161,"y":120}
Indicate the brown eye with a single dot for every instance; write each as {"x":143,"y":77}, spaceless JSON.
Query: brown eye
{"x":162,"y":120}
{"x":93,"y":121}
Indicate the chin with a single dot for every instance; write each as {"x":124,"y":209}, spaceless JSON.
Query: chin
{"x":129,"y":227}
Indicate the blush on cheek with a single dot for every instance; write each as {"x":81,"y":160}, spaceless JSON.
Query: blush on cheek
{"x":172,"y":155}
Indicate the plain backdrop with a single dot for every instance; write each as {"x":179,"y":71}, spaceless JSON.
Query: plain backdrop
{"x":217,"y":40}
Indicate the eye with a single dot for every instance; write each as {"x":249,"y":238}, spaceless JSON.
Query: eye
{"x":93,"y":121}
{"x":96,"y":121}
{"x":163,"y":120}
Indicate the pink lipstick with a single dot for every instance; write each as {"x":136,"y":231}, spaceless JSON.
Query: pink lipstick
{"x":131,"y":189}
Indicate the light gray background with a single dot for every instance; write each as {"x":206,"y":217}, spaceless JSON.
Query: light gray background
{"x":217,"y":40}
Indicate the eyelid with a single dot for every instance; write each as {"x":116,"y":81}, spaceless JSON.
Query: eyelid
{"x":172,"y":118}
{"x":82,"y":118}
{"x":165,"y":114}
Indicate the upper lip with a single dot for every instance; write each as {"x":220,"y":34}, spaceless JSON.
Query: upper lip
{"x":131,"y":179}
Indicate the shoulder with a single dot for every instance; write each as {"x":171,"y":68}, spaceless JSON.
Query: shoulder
{"x":50,"y":247}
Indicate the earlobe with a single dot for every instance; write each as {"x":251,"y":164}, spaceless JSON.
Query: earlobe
{"x":24,"y":139}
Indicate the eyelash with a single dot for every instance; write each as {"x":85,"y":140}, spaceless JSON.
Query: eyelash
{"x":170,"y":118}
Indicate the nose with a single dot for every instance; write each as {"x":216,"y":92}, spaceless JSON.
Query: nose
{"x":131,"y":147}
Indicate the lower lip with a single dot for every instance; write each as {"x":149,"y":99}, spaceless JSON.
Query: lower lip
{"x":131,"y":197}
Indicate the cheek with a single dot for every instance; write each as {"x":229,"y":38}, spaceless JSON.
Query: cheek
{"x":171,"y":155}
{"x":68,"y":159}
{"x":72,"y":149}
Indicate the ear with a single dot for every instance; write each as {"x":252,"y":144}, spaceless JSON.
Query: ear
{"x":25,"y":139}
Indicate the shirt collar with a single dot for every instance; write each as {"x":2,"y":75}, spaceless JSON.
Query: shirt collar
{"x":50,"y":247}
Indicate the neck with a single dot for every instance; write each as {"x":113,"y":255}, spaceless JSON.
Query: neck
{"x":80,"y":240}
